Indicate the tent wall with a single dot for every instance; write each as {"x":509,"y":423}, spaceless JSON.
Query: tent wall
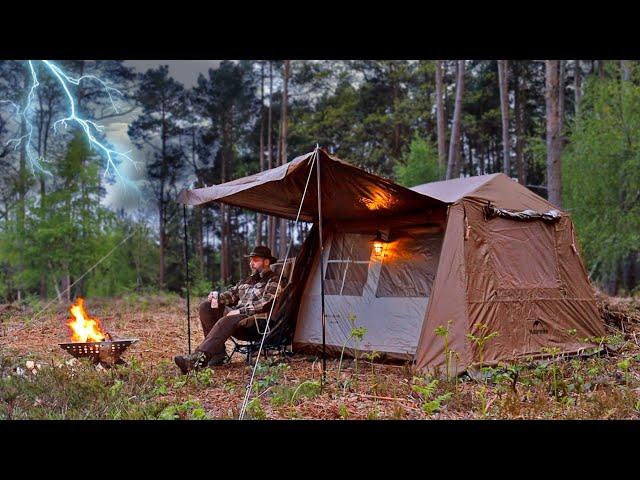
{"x":448,"y":303}
{"x":523,"y":280}
{"x":388,"y":295}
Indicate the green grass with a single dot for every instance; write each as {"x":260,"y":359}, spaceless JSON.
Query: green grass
{"x":77,"y":390}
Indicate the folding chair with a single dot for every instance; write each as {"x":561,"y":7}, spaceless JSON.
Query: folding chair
{"x":280,"y":329}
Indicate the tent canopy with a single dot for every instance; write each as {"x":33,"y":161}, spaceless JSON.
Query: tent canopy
{"x":348,"y":192}
{"x":498,"y":188}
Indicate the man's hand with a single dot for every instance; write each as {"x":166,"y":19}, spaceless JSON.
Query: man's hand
{"x":234,"y":312}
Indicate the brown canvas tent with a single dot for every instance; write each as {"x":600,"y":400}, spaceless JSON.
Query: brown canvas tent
{"x":479,"y":254}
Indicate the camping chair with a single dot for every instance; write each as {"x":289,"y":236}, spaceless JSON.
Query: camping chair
{"x":280,"y":329}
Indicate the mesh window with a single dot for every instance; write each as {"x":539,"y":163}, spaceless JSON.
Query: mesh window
{"x":333,"y":276}
{"x":348,"y":264}
{"x":409,"y":266}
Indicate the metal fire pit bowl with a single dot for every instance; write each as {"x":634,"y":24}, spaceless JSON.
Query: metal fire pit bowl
{"x":108,"y":352}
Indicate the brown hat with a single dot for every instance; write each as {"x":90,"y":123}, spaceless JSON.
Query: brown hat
{"x":264,"y":252}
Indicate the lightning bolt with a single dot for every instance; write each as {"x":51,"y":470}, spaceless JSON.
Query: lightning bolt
{"x":88,"y":126}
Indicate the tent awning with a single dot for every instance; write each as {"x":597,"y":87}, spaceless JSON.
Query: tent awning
{"x":348,"y":192}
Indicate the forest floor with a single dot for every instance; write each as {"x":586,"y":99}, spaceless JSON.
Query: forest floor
{"x":38,"y":380}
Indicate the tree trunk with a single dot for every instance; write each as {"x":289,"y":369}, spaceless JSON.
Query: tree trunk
{"x":552,"y":97}
{"x":453,"y":167}
{"x":161,"y":202}
{"x":561,"y":75}
{"x":161,"y":221}
{"x":442,"y":132}
{"x":43,"y":271}
{"x":199,"y":241}
{"x":66,"y":283}
{"x":283,"y":149}
{"x":626,"y":70}
{"x":22,"y":193}
{"x":239,"y":243}
{"x":197,"y":212}
{"x":520,"y":137}
{"x":395,"y":147}
{"x":503,"y":80}
{"x":271,"y":233}
{"x":577,"y":83}
{"x":225,"y":263}
{"x":601,"y":69}
{"x":261,"y":156}
{"x":43,"y":188}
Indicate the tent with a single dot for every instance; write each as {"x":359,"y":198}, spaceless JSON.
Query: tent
{"x":474,"y":255}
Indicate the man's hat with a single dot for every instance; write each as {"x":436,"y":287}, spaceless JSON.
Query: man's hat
{"x":264,"y":252}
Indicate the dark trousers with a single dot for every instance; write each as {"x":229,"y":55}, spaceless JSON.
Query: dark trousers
{"x":218,"y":327}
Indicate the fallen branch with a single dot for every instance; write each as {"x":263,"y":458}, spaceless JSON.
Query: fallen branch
{"x":384,"y":398}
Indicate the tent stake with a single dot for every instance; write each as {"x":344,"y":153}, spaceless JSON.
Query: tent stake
{"x":324,"y":345}
{"x":186,"y":262}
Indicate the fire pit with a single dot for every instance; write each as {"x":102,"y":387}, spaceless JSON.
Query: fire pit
{"x":90,"y":341}
{"x":108,"y":351}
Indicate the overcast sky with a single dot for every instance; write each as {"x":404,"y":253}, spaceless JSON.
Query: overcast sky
{"x":185,"y":72}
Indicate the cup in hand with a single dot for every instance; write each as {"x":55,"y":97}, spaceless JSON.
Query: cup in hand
{"x":213,"y":298}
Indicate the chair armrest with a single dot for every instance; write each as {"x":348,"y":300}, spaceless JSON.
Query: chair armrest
{"x":252,"y":320}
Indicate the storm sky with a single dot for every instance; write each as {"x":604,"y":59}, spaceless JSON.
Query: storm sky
{"x":185,"y":72}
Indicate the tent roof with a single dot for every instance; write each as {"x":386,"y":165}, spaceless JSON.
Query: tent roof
{"x":348,"y":192}
{"x":498,"y":188}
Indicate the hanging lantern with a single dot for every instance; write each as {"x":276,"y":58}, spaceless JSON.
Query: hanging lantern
{"x":378,"y":244}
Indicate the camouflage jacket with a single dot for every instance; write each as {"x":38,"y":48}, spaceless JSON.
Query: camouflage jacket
{"x":254,"y":294}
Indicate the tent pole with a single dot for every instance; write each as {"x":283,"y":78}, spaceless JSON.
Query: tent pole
{"x":186,"y":262}
{"x":324,"y":345}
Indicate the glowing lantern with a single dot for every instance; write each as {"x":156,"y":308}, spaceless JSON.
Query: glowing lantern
{"x":378,"y":244}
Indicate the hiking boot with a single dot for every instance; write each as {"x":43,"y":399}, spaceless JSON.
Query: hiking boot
{"x":217,"y":360}
{"x":195,"y":361}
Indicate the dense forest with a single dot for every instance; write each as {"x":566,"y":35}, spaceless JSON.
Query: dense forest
{"x":567,"y":129}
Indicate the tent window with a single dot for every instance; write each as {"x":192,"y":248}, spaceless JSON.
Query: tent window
{"x":348,"y":265}
{"x":523,"y":255}
{"x":410,"y":265}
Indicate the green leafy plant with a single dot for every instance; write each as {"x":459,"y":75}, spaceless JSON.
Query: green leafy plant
{"x":160,"y":386}
{"x":255,"y":411}
{"x":374,"y":413}
{"x":481,"y":340}
{"x":443,"y":332}
{"x":204,"y":377}
{"x":431,"y":403}
{"x":558,"y":384}
{"x":481,"y":392}
{"x":190,"y":409}
{"x":508,"y":375}
{"x":288,"y":395}
{"x":269,"y":374}
{"x":625,"y":365}
{"x":371,"y":358}
{"x":357,"y":334}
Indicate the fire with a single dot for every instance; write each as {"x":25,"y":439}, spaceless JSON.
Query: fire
{"x":83,"y":327}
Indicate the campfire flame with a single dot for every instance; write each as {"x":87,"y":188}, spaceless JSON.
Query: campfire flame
{"x":83,"y":327}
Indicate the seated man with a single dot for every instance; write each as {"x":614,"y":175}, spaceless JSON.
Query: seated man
{"x":250,"y":296}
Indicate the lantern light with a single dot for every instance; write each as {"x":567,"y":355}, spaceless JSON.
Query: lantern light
{"x":378,"y":244}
